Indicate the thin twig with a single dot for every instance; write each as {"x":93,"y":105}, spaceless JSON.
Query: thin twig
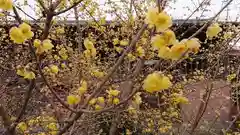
{"x":17,"y":17}
{"x":42,"y":5}
{"x":200,"y":5}
{"x":233,"y":121}
{"x":69,"y":8}
{"x":26,"y":13}
{"x":202,"y":108}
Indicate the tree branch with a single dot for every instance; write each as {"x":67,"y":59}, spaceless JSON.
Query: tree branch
{"x":42,"y":5}
{"x":69,"y":8}
{"x":17,"y":17}
{"x":26,"y":13}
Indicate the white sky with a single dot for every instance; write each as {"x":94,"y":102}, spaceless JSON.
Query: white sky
{"x":180,"y":9}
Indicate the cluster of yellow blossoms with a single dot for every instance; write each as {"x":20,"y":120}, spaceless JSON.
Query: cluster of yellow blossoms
{"x":213,"y":30}
{"x":167,"y":38}
{"x":47,"y":123}
{"x":20,"y":34}
{"x":168,"y":47}
{"x":90,"y":49}
{"x":113,"y":96}
{"x":156,"y":82}
{"x":42,"y":46}
{"x":24,"y":72}
{"x":74,"y":99}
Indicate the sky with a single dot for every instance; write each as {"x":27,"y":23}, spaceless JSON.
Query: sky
{"x":180,"y":9}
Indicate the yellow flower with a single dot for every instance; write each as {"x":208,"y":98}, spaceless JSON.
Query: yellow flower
{"x":29,"y":75}
{"x":116,"y":101}
{"x":37,"y":43}
{"x":161,"y":20}
{"x":140,"y":51}
{"x":2,"y":14}
{"x":156,"y":82}
{"x":131,"y":57}
{"x":73,"y":100}
{"x":92,"y":101}
{"x":83,"y":87}
{"x":169,"y":37}
{"x":112,"y":92}
{"x":123,"y":42}
{"x":163,"y":130}
{"x":128,"y":132}
{"x":164,"y":21}
{"x":118,"y":49}
{"x":166,"y":38}
{"x":101,"y":100}
{"x":16,"y":35}
{"x":178,"y":98}
{"x":88,"y":44}
{"x":22,"y":126}
{"x":193,"y":45}
{"x":228,"y":35}
{"x":93,"y":52}
{"x":26,"y":30}
{"x":178,"y":50}
{"x":131,"y":110}
{"x":52,"y":126}
{"x":21,"y":71}
{"x":87,"y":53}
{"x":6,"y":4}
{"x":60,"y":31}
{"x":40,"y":50}
{"x":137,"y":98}
{"x":115,"y":41}
{"x":54,"y":69}
{"x":165,"y":53}
{"x":231,"y":77}
{"x":213,"y":30}
{"x":47,"y":45}
{"x":151,"y":16}
{"x":81,"y":90}
{"x":32,"y":122}
{"x":97,"y":74}
{"x":158,"y":42}
{"x":63,"y":53}
{"x":53,"y":132}
{"x":98,"y":107}
{"x":63,"y":65}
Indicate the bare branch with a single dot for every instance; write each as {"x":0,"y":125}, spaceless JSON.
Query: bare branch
{"x":200,"y":5}
{"x":26,"y":13}
{"x":42,"y":5}
{"x":69,"y":8}
{"x":17,"y":17}
{"x":79,"y":36}
{"x":202,"y":108}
